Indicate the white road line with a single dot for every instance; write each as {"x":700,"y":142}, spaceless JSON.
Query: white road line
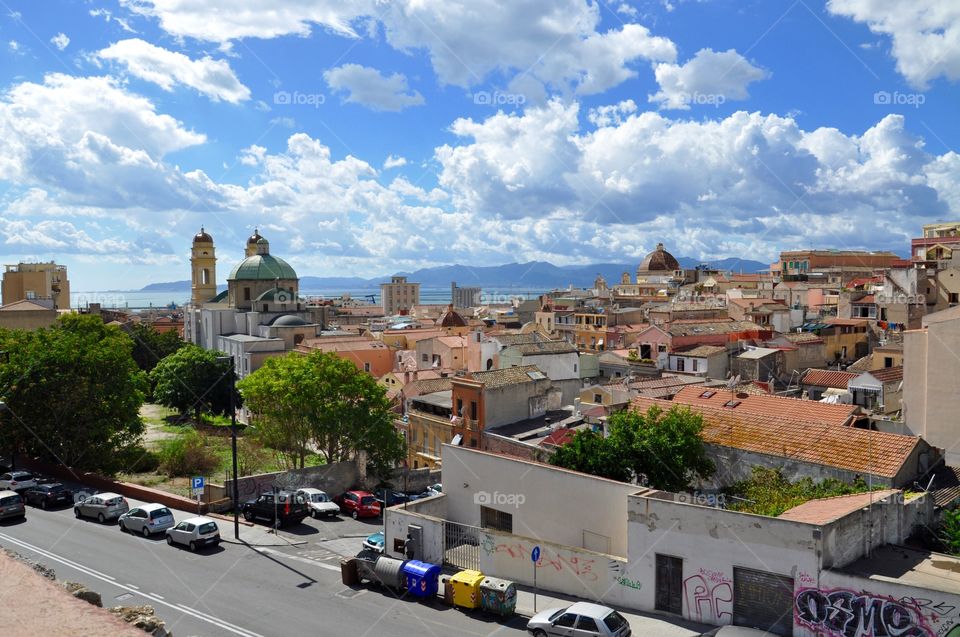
{"x":210,"y":619}
{"x":134,"y":586}
{"x":157,"y":596}
{"x":297,"y":558}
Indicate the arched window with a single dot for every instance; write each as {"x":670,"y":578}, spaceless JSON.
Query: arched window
{"x":205,"y":276}
{"x":489,"y":363}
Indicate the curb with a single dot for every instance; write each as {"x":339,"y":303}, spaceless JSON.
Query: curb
{"x":264,"y":544}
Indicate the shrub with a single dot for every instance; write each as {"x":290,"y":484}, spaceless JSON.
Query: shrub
{"x":187,"y":455}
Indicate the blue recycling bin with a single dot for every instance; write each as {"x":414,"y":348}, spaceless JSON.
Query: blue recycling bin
{"x":422,"y":578}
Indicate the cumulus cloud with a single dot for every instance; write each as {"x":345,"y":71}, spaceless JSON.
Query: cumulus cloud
{"x":60,"y":40}
{"x":709,"y":78}
{"x":558,"y":44}
{"x":368,"y":87}
{"x":213,"y":78}
{"x":394,"y":162}
{"x":925,"y":34}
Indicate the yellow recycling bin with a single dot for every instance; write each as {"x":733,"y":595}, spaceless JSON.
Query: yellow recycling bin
{"x":466,"y":588}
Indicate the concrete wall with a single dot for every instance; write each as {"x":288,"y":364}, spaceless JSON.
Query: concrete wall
{"x":429,"y":515}
{"x":334,"y":479}
{"x":505,"y":445}
{"x":511,"y":403}
{"x":546,"y":502}
{"x":562,"y":569}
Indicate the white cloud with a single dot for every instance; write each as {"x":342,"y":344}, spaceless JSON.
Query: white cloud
{"x":213,"y":78}
{"x":709,"y":78}
{"x":108,"y":17}
{"x":60,"y":40}
{"x":558,"y":43}
{"x":367,"y":86}
{"x":394,"y":162}
{"x":286,"y":122}
{"x":252,"y":155}
{"x":925,"y":34}
{"x":15,"y":47}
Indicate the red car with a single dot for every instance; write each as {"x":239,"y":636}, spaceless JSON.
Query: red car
{"x":359,"y":504}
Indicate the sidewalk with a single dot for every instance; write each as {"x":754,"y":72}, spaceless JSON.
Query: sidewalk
{"x":640,"y":623}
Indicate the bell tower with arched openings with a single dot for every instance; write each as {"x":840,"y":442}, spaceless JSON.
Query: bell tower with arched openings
{"x":203,"y":263}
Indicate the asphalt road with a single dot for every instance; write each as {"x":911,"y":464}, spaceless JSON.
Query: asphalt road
{"x":235,"y":590}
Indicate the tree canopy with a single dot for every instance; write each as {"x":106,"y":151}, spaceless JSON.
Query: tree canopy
{"x":322,"y":401}
{"x":662,"y":449}
{"x":193,"y":380}
{"x":73,"y":392}
{"x":150,"y":346}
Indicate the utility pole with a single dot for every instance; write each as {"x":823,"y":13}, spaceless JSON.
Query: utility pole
{"x":235,"y":495}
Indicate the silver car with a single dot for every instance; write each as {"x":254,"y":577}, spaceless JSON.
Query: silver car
{"x":11,"y":505}
{"x":319,"y":503}
{"x":195,"y":533}
{"x":147,"y":519}
{"x":583,"y":619}
{"x":103,"y":506}
{"x":18,"y":481}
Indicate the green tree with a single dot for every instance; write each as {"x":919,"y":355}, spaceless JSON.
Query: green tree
{"x":768,"y":492}
{"x":324,"y":401}
{"x":193,"y":380}
{"x":73,"y":391}
{"x":950,"y":531}
{"x":151,"y":346}
{"x":662,"y":449}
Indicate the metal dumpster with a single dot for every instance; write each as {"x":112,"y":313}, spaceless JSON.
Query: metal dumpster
{"x":422,"y":578}
{"x":498,"y":596}
{"x":366,"y":564}
{"x":389,"y":572}
{"x":466,"y":588}
{"x":447,"y":589}
{"x":348,"y":572}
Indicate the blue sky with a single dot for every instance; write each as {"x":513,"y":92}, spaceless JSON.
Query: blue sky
{"x":377,"y":136}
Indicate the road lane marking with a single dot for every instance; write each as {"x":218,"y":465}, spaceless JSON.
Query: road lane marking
{"x":134,"y":586}
{"x":210,"y":619}
{"x":297,"y":558}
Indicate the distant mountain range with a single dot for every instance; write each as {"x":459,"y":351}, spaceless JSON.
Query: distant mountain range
{"x":532,"y":275}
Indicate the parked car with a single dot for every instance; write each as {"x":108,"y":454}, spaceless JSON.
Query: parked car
{"x":583,"y":618}
{"x":11,"y":505}
{"x":278,"y":508}
{"x":358,"y":504}
{"x":195,"y":533}
{"x":48,"y":495}
{"x":392,"y":498}
{"x":103,"y":506}
{"x":375,"y":542}
{"x":318,"y":502}
{"x":18,"y":481}
{"x":147,"y":519}
{"x":735,"y":631}
{"x":436,"y":487}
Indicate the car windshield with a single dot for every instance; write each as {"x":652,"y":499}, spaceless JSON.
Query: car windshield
{"x":10,"y":499}
{"x":208,"y":527}
{"x":320,"y":497}
{"x":368,"y":499}
{"x":614,"y":621}
{"x":23,"y":477}
{"x":159,"y":513}
{"x":557,"y":614}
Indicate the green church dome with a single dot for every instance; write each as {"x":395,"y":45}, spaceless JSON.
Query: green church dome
{"x":262,"y":267}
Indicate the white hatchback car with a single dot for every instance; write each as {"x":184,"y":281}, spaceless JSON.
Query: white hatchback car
{"x":147,"y":519}
{"x":319,"y":503}
{"x":582,"y":618}
{"x":195,"y":533}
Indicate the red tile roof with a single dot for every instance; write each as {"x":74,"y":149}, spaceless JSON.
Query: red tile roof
{"x":790,"y":436}
{"x":558,"y":438}
{"x":825,"y":510}
{"x":808,"y":411}
{"x":828,"y":378}
{"x":887,"y":374}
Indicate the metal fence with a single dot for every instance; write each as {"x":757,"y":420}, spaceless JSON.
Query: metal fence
{"x":461,"y":545}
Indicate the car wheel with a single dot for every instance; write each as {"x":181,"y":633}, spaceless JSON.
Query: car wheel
{"x":100,"y":518}
{"x":122,"y":525}
{"x":354,"y":515}
{"x":145,"y":531}
{"x":169,"y":540}
{"x":539,"y":633}
{"x":43,"y":504}
{"x":193,"y":547}
{"x":76,"y":512}
{"x":248,"y":516}
{"x":313,"y":514}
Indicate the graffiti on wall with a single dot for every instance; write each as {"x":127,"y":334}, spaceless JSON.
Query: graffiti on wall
{"x":584,"y":568}
{"x":847,"y":613}
{"x":709,"y":596}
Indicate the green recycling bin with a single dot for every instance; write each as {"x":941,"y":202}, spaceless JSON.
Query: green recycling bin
{"x":498,"y":596}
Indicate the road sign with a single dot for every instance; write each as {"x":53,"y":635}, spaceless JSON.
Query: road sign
{"x":535,"y":554}
{"x":196,"y":485}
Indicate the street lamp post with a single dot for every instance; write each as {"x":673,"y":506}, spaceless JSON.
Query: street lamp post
{"x":235,"y":495}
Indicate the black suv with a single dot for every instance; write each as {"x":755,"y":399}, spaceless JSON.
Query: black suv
{"x":285,"y":505}
{"x":47,"y":495}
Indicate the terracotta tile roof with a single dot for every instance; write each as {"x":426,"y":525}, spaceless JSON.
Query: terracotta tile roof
{"x":517,"y":339}
{"x":808,"y":411}
{"x":828,"y":378}
{"x":453,"y":341}
{"x":694,"y":328}
{"x":548,"y":347}
{"x":509,"y":376}
{"x":24,"y":305}
{"x":426,"y":386}
{"x":790,"y":436}
{"x":802,"y":337}
{"x":700,"y":351}
{"x":887,"y":374}
{"x":826,"y":510}
{"x":558,"y":438}
{"x":866,"y":300}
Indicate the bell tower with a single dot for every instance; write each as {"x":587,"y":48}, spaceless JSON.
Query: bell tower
{"x":203,"y":263}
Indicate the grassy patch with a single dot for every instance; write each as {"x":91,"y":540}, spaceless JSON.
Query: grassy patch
{"x":767,"y":492}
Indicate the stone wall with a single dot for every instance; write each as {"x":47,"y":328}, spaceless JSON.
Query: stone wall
{"x":334,"y":479}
